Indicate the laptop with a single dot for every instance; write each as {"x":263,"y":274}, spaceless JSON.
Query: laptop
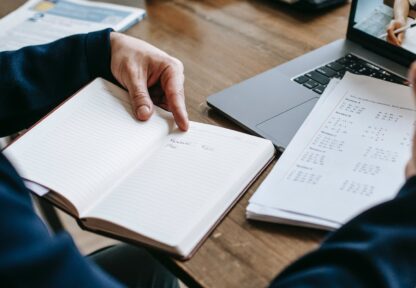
{"x":274,"y":104}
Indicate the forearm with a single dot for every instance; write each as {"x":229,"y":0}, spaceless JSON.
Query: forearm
{"x":375,"y":249}
{"x":401,"y":10}
{"x":36,"y":79}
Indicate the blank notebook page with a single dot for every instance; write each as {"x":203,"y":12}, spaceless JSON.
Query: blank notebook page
{"x":190,"y":176}
{"x":82,"y":148}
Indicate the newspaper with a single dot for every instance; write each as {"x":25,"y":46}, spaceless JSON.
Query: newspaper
{"x":39,"y":22}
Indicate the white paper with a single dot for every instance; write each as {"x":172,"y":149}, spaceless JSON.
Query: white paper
{"x":91,"y":153}
{"x":409,"y":41}
{"x":38,"y":22}
{"x":36,"y":188}
{"x":176,"y":190}
{"x":269,"y":214}
{"x":349,"y":156}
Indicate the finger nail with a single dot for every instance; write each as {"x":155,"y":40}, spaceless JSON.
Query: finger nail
{"x":185,"y":124}
{"x":142,"y":112}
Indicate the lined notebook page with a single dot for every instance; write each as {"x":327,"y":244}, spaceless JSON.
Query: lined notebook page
{"x":84,"y":146}
{"x":191,"y":179}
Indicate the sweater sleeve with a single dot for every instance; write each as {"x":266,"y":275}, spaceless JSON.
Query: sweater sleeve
{"x":35,"y":79}
{"x":29,"y":255}
{"x":375,"y":249}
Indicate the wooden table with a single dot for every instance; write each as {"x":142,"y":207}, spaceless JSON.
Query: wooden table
{"x":222,"y":42}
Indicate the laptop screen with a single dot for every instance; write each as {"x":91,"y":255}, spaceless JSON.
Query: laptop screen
{"x":390,"y":21}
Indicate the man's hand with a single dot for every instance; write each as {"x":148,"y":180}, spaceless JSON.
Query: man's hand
{"x":393,"y":38}
{"x":411,"y":165}
{"x":139,"y":66}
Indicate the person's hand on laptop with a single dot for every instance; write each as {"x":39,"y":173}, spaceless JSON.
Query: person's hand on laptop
{"x":141,"y":67}
{"x":393,"y":38}
{"x":411,"y":165}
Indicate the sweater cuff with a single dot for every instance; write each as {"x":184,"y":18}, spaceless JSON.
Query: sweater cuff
{"x":408,"y":188}
{"x":98,"y":51}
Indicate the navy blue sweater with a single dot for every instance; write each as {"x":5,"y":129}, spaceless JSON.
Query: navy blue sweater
{"x":33,"y":81}
{"x":377,"y":248}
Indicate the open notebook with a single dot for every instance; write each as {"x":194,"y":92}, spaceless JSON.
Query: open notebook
{"x":142,"y":182}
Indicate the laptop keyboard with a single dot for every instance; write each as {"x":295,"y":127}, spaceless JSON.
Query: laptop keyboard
{"x":318,"y":79}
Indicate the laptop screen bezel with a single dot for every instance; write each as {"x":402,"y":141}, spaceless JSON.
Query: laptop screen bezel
{"x":376,"y":45}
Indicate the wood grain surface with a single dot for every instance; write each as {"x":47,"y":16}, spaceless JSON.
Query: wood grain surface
{"x":222,"y":42}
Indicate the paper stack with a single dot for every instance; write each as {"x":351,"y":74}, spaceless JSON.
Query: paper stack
{"x":348,"y":156}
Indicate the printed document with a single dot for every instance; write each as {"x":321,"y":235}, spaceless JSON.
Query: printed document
{"x":348,"y":156}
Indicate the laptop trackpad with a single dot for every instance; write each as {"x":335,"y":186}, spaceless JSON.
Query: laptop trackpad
{"x":284,"y":126}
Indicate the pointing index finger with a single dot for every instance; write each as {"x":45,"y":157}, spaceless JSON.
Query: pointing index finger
{"x":173,"y":86}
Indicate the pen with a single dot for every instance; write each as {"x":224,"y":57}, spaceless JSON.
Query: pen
{"x":397,"y":31}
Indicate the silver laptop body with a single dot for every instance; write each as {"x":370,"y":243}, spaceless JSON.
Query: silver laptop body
{"x":274,"y":106}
